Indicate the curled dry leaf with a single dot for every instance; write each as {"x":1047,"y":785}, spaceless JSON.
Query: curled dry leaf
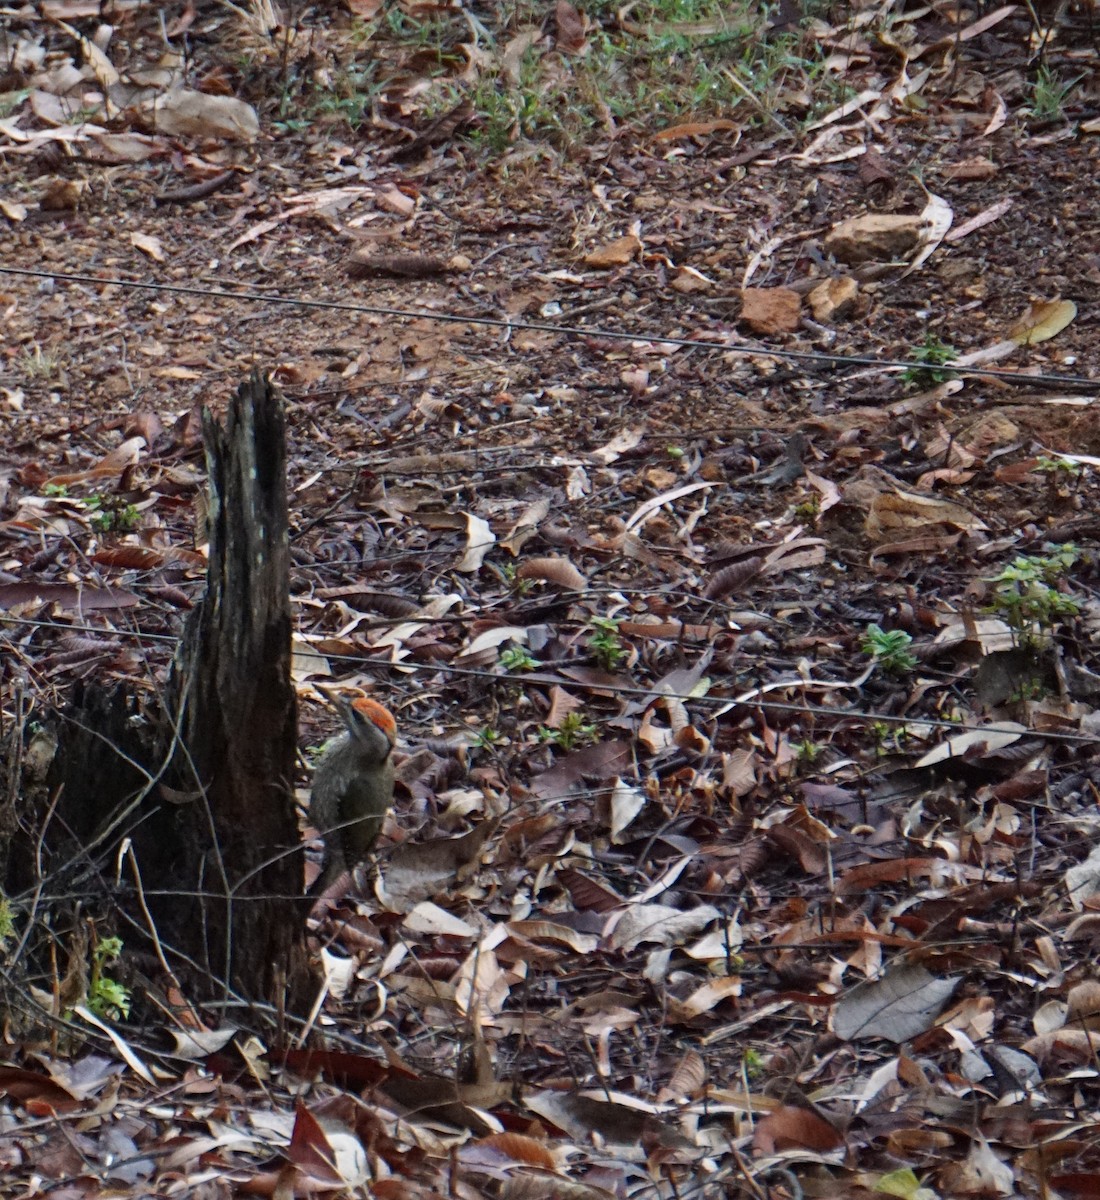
{"x":480,"y":539}
{"x":733,"y":578}
{"x":687,"y":1079}
{"x":553,"y":570}
{"x":659,"y":923}
{"x":365,"y":265}
{"x":1042,"y":321}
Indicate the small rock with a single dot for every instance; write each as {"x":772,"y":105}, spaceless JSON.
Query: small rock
{"x":834,"y":299}
{"x":878,"y":237}
{"x":770,"y":310}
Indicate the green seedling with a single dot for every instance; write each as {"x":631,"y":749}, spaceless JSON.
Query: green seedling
{"x":109,"y":514}
{"x":889,"y":649}
{"x":55,"y":491}
{"x":573,"y":731}
{"x":605,"y":643}
{"x":752,"y":1062}
{"x":1058,"y":466}
{"x":106,"y":996}
{"x":518,"y":658}
{"x":931,"y":354}
{"x":1027,"y":595}
{"x":487,"y":738}
{"x":807,"y":752}
{"x":507,"y":572}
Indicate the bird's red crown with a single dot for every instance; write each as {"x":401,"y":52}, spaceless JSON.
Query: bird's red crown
{"x":377,"y":714}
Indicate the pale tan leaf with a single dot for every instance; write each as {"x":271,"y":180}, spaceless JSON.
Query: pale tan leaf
{"x":974,"y":741}
{"x":624,"y":440}
{"x":197,"y":114}
{"x":561,"y":705}
{"x":480,"y":539}
{"x":626,"y":804}
{"x":614,"y":254}
{"x":659,"y":923}
{"x":1042,"y":321}
{"x":149,"y":245}
{"x":705,"y":998}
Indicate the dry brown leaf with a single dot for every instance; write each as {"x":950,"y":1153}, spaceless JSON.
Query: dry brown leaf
{"x":694,"y":129}
{"x":571,"y":27}
{"x":519,"y":1148}
{"x":614,"y":254}
{"x":733,"y":578}
{"x":365,"y":264}
{"x":791,"y":1128}
{"x":561,"y":705}
{"x":553,"y":570}
{"x":687,"y":1080}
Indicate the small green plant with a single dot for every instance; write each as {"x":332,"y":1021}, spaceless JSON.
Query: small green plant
{"x":1058,"y":466}
{"x":888,"y":737}
{"x":106,"y":996}
{"x":753,"y":1063}
{"x":573,"y":731}
{"x":931,"y":354}
{"x":1027,"y":595}
{"x":55,"y":490}
{"x":676,"y":452}
{"x":518,"y":658}
{"x":807,"y":752}
{"x":1048,"y":94}
{"x":809,"y":509}
{"x":605,"y":643}
{"x":507,"y":572}
{"x":10,"y":101}
{"x":486,"y":738}
{"x":109,"y":514}
{"x":7,"y":921}
{"x":889,"y":649}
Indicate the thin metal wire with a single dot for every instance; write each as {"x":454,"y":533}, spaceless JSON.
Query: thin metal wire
{"x":751,"y":702}
{"x":805,"y":356}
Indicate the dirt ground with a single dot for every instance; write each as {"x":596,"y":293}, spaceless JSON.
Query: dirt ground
{"x":620,"y":592}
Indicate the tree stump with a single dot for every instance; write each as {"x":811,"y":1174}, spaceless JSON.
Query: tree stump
{"x":190,"y":803}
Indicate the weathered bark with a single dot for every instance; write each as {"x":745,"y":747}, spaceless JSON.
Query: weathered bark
{"x":239,"y":714}
{"x":202,"y":785}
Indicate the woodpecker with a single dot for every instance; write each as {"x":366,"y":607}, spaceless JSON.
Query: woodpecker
{"x":353,"y":787}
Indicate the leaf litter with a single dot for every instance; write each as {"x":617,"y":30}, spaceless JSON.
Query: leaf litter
{"x":681,"y":886}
